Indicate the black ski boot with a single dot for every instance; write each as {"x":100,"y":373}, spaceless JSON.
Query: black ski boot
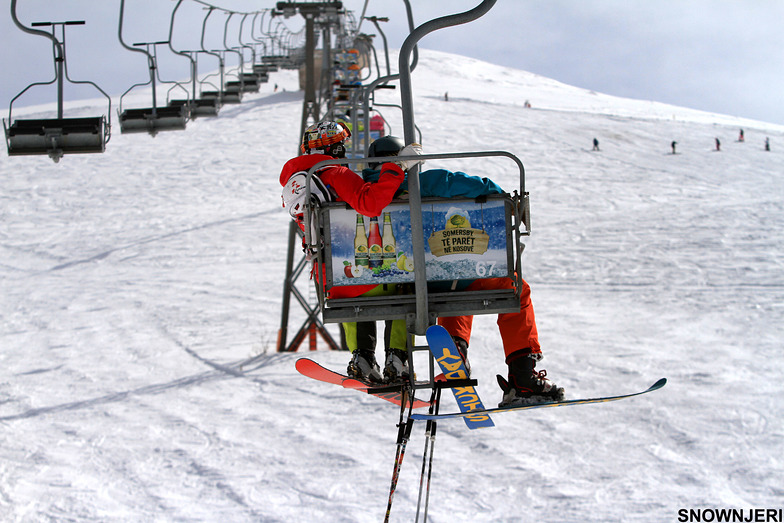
{"x":526,"y":385}
{"x":396,"y":366}
{"x":363,"y":367}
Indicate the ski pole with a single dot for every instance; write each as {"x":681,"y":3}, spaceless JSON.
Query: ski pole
{"x":435,"y":399}
{"x":404,"y":432}
{"x":430,"y":434}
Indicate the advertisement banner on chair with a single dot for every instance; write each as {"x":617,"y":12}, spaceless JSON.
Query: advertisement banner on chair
{"x":464,"y":240}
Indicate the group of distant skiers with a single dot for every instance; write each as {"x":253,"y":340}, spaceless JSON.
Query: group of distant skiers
{"x":741,"y":138}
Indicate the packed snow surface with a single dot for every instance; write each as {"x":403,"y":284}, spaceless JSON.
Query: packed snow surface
{"x":141,"y":302}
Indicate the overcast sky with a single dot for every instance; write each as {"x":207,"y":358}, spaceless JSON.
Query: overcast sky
{"x":720,"y":56}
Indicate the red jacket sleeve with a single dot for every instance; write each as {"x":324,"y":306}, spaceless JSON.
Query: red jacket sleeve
{"x":364,"y":197}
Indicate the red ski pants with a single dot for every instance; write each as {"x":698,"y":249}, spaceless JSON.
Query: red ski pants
{"x":518,"y":329}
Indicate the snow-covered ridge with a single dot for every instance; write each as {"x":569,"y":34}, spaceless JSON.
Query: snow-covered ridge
{"x":469,"y":78}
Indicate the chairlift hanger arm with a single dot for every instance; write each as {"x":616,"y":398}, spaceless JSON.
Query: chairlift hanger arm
{"x":59,"y":57}
{"x":211,"y":53}
{"x":407,"y":101}
{"x":226,"y":45}
{"x":188,"y":55}
{"x":375,"y":21}
{"x":134,"y":47}
{"x":410,"y":43}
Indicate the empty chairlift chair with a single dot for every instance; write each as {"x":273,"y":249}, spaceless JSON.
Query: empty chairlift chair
{"x":219,"y":93}
{"x":251,"y":81}
{"x":149,"y":119}
{"x":245,"y":82}
{"x":189,"y":101}
{"x":196,"y":106}
{"x":58,"y":136}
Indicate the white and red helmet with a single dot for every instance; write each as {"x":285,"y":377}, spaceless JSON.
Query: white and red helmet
{"x":326,"y":138}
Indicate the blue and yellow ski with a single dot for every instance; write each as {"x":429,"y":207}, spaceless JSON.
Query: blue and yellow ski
{"x":445,"y":353}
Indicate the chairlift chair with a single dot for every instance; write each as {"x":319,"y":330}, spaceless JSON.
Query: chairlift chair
{"x":188,"y":103}
{"x":262,"y":71}
{"x":231,"y":93}
{"x":209,"y":106}
{"x":149,"y":119}
{"x":510,"y":213}
{"x":245,"y":82}
{"x":155,"y":118}
{"x":218,"y":92}
{"x":270,"y":64}
{"x":252,"y":81}
{"x":205,"y":106}
{"x":55,"y":137}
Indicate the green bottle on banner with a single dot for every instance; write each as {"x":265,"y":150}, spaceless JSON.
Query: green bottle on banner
{"x":360,"y":243}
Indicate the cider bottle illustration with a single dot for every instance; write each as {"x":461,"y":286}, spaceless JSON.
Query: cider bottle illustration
{"x":389,"y":255}
{"x":360,"y":243}
{"x":374,"y":245}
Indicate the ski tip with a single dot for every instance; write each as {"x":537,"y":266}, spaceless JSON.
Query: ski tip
{"x":304,"y":363}
{"x":659,"y":384}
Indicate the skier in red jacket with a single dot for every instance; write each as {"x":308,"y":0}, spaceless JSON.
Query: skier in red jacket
{"x":326,"y":141}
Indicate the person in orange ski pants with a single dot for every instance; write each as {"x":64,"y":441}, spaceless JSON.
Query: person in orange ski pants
{"x":518,"y":329}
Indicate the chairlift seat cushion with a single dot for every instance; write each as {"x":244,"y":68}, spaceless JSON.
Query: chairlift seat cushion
{"x":226,"y":96}
{"x":163,"y":119}
{"x":70,"y":135}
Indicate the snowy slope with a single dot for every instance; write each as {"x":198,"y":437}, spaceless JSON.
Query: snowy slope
{"x":141,"y":302}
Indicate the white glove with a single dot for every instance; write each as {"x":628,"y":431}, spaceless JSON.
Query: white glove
{"x":412,"y":149}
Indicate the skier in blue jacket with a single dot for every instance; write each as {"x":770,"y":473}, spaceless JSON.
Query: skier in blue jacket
{"x":433,"y":182}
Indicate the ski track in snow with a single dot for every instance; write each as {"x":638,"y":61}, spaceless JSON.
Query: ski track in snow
{"x":141,"y":294}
